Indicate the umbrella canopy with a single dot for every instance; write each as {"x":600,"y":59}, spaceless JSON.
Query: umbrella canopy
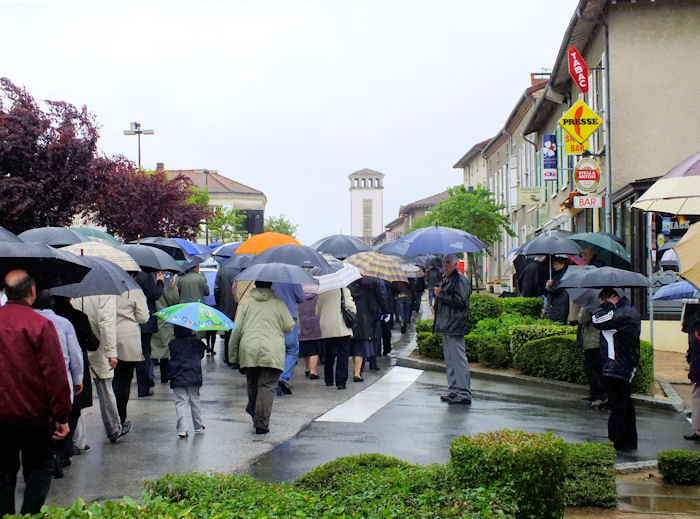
{"x":585,"y":297}
{"x":215,"y":244}
{"x":341,"y":277}
{"x":677,"y":192}
{"x":169,"y":245}
{"x":550,"y":244}
{"x":276,"y":273}
{"x":291,"y":255}
{"x":332,"y":260}
{"x":91,"y":234}
{"x":678,"y":290}
{"x":688,"y":250}
{"x":48,"y":266}
{"x":102,"y":250}
{"x":193,"y":249}
{"x":340,"y":245}
{"x":614,"y":237}
{"x":151,"y":258}
{"x":104,"y":278}
{"x":54,"y":236}
{"x":606,"y":277}
{"x":412,"y":271}
{"x":377,"y":265}
{"x":608,"y":251}
{"x":196,"y":316}
{"x":8,"y":237}
{"x":238,"y":261}
{"x":264,"y":241}
{"x":436,"y":240}
{"x":227,"y":250}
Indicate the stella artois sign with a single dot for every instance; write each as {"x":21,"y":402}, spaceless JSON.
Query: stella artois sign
{"x":578,"y":69}
{"x":586,"y":175}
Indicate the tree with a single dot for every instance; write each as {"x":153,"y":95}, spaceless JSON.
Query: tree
{"x":136,"y":203}
{"x":226,"y":225}
{"x":281,"y":225}
{"x":48,"y":160}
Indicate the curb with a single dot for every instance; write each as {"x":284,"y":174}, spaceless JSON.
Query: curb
{"x":673,"y":396}
{"x":635,"y":466}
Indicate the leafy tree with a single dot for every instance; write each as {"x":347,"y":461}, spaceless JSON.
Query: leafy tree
{"x":48,"y":160}
{"x":281,"y":225}
{"x":227,"y":225}
{"x":134,"y":203}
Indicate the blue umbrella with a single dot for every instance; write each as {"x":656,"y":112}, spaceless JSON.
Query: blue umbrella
{"x":196,"y":316}
{"x":678,"y":290}
{"x":226,"y":250}
{"x":215,"y":244}
{"x":276,"y":273}
{"x":191,"y":248}
{"x":291,"y":255}
{"x":435,"y":240}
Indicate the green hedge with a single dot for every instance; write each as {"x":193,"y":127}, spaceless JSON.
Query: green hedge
{"x":486,"y":307}
{"x":644,"y":377}
{"x":522,"y":333}
{"x":429,"y":345}
{"x":680,"y":466}
{"x":533,"y":465}
{"x":424,"y":325}
{"x":590,"y":475}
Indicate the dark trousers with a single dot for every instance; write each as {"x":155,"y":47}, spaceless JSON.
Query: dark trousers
{"x":386,"y":335}
{"x":164,"y":365}
{"x":593,"y":365}
{"x":121,"y":383}
{"x":227,"y":336}
{"x":34,"y":444}
{"x":337,"y":352}
{"x":622,"y":424}
{"x":261,"y":384}
{"x":144,"y":373}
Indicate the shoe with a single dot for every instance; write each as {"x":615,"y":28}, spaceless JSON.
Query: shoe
{"x":114,"y":437}
{"x":403,"y":329}
{"x":150,"y":393}
{"x":458,"y":401}
{"x":183,"y":434}
{"x":200,"y":430}
{"x":598,"y":403}
{"x":313,"y":376}
{"x":692,"y":437}
{"x":151,"y":383}
{"x":307,"y":373}
{"x":447,"y":396}
{"x":341,"y":386}
{"x":279,"y":392}
{"x":284,"y":385}
{"x":213,"y":352}
{"x":358,"y":379}
{"x":126,"y":427}
{"x":261,"y":430}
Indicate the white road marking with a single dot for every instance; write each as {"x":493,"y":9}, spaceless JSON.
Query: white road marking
{"x":367,"y":402}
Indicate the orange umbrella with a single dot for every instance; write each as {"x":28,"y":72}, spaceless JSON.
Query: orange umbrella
{"x":264,"y":241}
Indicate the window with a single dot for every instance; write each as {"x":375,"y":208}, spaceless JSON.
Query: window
{"x":367,"y":218}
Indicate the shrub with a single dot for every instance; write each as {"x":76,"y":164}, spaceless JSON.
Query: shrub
{"x":494,"y":351}
{"x":156,"y":508}
{"x":531,"y":464}
{"x":472,"y":343}
{"x":556,"y":358}
{"x":429,"y":345}
{"x":525,"y":306}
{"x":644,"y":377}
{"x":328,"y":475}
{"x":483,"y":307}
{"x":680,"y":466}
{"x":522,"y":333}
{"x":424,"y":325}
{"x":590,"y":475}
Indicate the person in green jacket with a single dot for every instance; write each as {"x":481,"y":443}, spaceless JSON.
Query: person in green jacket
{"x":192,"y":286}
{"x":257,"y":346}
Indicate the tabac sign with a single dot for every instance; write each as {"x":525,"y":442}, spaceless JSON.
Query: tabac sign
{"x":580,"y":121}
{"x":578,"y":68}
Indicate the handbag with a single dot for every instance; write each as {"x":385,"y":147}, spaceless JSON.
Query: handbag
{"x":349,"y":316}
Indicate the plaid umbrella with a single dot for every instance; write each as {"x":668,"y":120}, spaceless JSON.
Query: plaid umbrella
{"x":380,"y":266}
{"x":676,"y":192}
{"x":98,"y":249}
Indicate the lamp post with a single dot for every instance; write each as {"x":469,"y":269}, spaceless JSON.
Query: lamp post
{"x":136,"y":130}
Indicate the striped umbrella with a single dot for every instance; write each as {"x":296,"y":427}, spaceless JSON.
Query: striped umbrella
{"x":377,"y":265}
{"x":677,"y":192}
{"x":98,"y":249}
{"x":342,"y":277}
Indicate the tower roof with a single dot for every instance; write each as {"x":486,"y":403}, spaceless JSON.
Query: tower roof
{"x":366,"y":172}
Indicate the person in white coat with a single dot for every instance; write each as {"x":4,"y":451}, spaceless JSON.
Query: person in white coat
{"x":336,"y":334}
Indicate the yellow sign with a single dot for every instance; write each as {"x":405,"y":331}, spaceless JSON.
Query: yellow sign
{"x":580,"y":121}
{"x":571,"y":147}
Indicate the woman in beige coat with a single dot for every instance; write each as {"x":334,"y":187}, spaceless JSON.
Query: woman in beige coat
{"x":336,"y":334}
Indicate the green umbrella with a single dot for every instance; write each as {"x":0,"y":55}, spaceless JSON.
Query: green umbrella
{"x":609,"y":252}
{"x":196,"y":316}
{"x":89,"y":232}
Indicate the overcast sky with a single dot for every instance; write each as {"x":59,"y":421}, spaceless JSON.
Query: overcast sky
{"x":286,"y":96}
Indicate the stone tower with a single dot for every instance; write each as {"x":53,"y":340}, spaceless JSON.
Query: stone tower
{"x":366,"y":204}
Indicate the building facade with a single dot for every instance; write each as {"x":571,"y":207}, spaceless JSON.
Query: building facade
{"x":366,"y":204}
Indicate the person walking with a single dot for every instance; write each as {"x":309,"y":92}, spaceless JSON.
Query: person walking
{"x":152,"y":285}
{"x":186,"y":353}
{"x":160,"y":340}
{"x":34,"y":396}
{"x":589,"y":338}
{"x":291,"y":294}
{"x":691,"y":325}
{"x":451,"y":310}
{"x":192,"y":286}
{"x":433,"y":277}
{"x":225,"y":302}
{"x":362,"y":344}
{"x":556,"y":306}
{"x":336,"y":335}
{"x":257,"y":346}
{"x":310,"y":338}
{"x":620,"y":326}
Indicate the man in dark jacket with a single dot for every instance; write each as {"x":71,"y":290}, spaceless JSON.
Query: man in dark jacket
{"x":620,"y":326}
{"x":691,"y":325}
{"x":556,"y":306}
{"x":451,"y":309}
{"x":531,"y":281}
{"x":225,"y":302}
{"x":152,"y":286}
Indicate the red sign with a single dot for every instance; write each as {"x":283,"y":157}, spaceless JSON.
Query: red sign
{"x":578,"y":69}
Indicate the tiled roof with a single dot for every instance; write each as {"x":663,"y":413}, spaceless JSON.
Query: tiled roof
{"x":364,"y":172}
{"x":425,"y":202}
{"x":213,"y":182}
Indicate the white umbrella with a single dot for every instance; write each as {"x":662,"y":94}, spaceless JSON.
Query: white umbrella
{"x":333,"y":281}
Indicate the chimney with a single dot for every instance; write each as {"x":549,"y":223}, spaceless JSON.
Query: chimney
{"x":539,"y":77}
{"x":160,"y":167}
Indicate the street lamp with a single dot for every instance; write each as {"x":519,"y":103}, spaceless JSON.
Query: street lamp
{"x":136,"y":130}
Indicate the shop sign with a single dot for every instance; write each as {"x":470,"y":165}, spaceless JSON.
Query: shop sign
{"x":549,"y":157}
{"x":580,"y":121}
{"x":586,"y":175}
{"x":587,"y":202}
{"x":530,"y":195}
{"x":578,"y":69}
{"x":571,"y":147}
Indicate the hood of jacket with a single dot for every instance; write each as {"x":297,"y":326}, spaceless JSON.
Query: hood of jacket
{"x":262,"y":294}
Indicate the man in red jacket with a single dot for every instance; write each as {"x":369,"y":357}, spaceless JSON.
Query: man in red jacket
{"x":34,"y":395}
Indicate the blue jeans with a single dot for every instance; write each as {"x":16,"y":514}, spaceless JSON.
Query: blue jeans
{"x":291,"y":350}
{"x":431,"y":296}
{"x":405,"y":311}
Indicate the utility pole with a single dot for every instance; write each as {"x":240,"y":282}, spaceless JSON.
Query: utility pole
{"x":136,"y":130}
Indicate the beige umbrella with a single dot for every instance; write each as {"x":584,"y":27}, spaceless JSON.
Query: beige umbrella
{"x":677,"y":192}
{"x":688,"y":250}
{"x":102,"y":250}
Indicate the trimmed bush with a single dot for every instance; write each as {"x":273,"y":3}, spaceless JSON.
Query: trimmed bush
{"x":644,"y":377}
{"x":525,"y":306}
{"x":494,"y":351}
{"x":429,"y":345}
{"x":472,"y":344}
{"x":555,"y":358}
{"x":531,"y":464}
{"x":483,"y":307}
{"x":424,"y":325}
{"x":522,"y":333}
{"x":680,"y":466}
{"x":590,"y":475}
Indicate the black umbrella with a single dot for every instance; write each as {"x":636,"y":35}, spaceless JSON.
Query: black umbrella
{"x":151,"y":258}
{"x":614,"y":237}
{"x":291,"y":255}
{"x":48,"y":266}
{"x":606,"y":277}
{"x":54,"y":236}
{"x":194,"y":261}
{"x":340,"y":245}
{"x":585,"y":297}
{"x":550,"y":244}
{"x":169,"y":245}
{"x":276,"y":273}
{"x":104,"y":278}
{"x":9,"y":237}
{"x":239,"y":261}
